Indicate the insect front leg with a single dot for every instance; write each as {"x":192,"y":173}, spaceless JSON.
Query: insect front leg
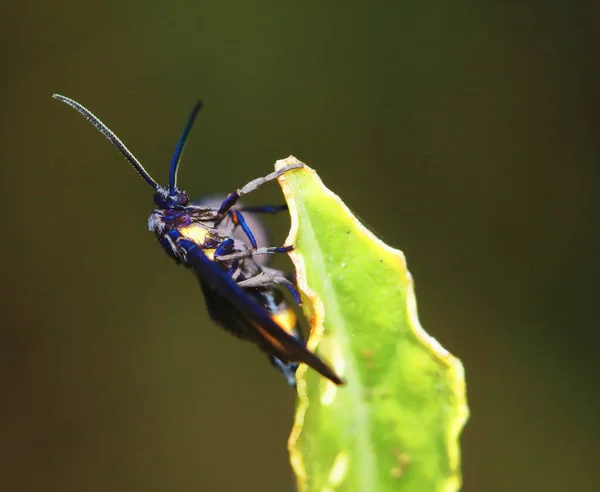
{"x":232,"y":198}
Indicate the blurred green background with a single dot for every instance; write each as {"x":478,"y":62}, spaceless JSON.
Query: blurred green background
{"x":465,"y":135}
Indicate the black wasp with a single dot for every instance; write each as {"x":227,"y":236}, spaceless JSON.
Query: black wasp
{"x":242,"y":294}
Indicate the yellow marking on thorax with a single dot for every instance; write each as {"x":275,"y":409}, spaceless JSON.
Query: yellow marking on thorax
{"x":286,"y":319}
{"x":194,"y":232}
{"x":198,"y":234}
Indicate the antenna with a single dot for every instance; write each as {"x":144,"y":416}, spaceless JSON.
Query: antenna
{"x":102,"y":128}
{"x":180,"y":146}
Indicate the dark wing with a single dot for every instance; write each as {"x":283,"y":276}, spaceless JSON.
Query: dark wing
{"x":282,"y":345}
{"x":227,"y":316}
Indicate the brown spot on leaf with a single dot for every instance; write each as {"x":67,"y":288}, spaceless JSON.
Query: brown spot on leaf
{"x":402,"y":460}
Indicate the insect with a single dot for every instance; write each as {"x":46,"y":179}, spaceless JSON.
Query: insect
{"x":242,"y":294}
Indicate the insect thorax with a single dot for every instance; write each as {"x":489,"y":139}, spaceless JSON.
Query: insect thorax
{"x":196,"y":224}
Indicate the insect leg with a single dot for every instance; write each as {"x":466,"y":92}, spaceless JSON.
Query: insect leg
{"x":264,"y":209}
{"x":252,"y":252}
{"x":238,"y":220}
{"x":280,"y":273}
{"x":290,"y":277}
{"x":267,"y":280}
{"x":288,"y":370}
{"x":234,"y":265}
{"x":232,"y":198}
{"x":224,"y":248}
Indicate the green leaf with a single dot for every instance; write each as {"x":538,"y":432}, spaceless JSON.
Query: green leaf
{"x":396,"y":424}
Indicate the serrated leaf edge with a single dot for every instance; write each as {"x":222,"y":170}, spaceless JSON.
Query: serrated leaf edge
{"x":316,"y":318}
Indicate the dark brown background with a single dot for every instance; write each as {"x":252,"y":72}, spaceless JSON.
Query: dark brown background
{"x":466,"y":135}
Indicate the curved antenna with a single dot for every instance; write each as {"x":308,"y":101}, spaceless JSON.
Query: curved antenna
{"x":180,"y":145}
{"x":88,"y":115}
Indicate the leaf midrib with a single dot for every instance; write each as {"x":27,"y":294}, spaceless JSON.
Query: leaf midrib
{"x":363,"y":446}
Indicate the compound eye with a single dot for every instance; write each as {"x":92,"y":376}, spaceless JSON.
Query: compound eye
{"x":181,"y":199}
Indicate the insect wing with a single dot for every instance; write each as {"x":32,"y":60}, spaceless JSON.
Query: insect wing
{"x":222,"y":312}
{"x":283,"y":345}
{"x":227,"y":316}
